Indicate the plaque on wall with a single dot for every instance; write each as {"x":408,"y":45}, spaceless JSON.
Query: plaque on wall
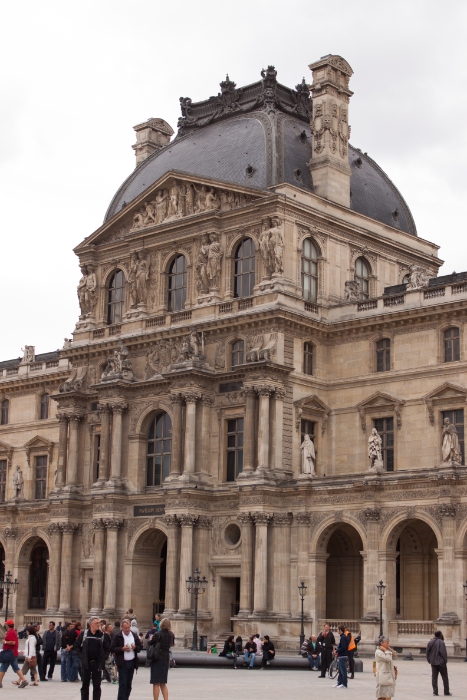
{"x":145,"y":511}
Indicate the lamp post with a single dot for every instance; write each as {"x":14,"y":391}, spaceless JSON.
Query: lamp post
{"x":381,"y":588}
{"x":196,"y":585}
{"x":465,"y":591}
{"x":302,"y":590}
{"x":8,"y":585}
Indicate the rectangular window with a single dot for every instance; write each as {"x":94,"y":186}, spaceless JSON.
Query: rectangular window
{"x":234,"y":448}
{"x":308,"y":358}
{"x":457,"y":419}
{"x":451,"y":345}
{"x":2,"y":480}
{"x":385,"y":428}
{"x":97,"y":455}
{"x":41,"y":477}
{"x":383,"y":355}
{"x":44,"y":412}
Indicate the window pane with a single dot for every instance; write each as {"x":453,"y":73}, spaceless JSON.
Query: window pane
{"x":244,"y":276}
{"x":159,"y":444}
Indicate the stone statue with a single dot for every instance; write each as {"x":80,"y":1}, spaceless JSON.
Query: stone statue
{"x":352,"y":290}
{"x":201,"y":267}
{"x":29,"y":354}
{"x":189,"y":196}
{"x":450,"y":447}
{"x":150,"y":217}
{"x":271,"y":245}
{"x":215,"y":255}
{"x":18,"y":483}
{"x":201,"y":195}
{"x":278,"y":237}
{"x":212,"y":201}
{"x":307,"y":449}
{"x":374,"y":451}
{"x":82,"y":289}
{"x":418,"y":278}
{"x":91,"y":290}
{"x":175,"y":202}
{"x":142,"y":276}
{"x":132,"y":278}
{"x":118,"y":366}
{"x":139,"y":218}
{"x":161,"y":206}
{"x":67,"y":343}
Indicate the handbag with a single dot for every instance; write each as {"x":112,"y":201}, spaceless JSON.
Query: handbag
{"x":33,"y":661}
{"x":154,"y":652}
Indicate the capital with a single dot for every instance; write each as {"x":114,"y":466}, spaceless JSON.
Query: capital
{"x":170,"y":520}
{"x":53,"y":529}
{"x":11,"y":532}
{"x":112,"y":523}
{"x":187,"y":520}
{"x":282,"y":519}
{"x":75,"y":417}
{"x":264,"y":390}
{"x":446,"y":510}
{"x":68,"y":528}
{"x":191,"y":396}
{"x":244,"y":519}
{"x":372,"y":515}
{"x":62,"y":417}
{"x":261,"y":518}
{"x":98,"y":524}
{"x":204,"y":521}
{"x":118,"y":407}
{"x":303,"y":518}
{"x":176,"y":399}
{"x":280,"y":393}
{"x":103,"y":408}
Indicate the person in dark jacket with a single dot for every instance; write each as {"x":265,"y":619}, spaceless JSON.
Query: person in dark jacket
{"x":92,"y":649}
{"x":125,"y":646}
{"x":437,"y":656}
{"x":250,"y":653}
{"x":75,"y":659}
{"x":268,"y":652}
{"x":327,"y":640}
{"x":160,"y":666}
{"x":229,"y":650}
{"x":313,"y":650}
{"x":342,"y":653}
{"x":50,"y":645}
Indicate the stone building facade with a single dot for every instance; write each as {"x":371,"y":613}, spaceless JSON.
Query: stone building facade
{"x":256,"y":280}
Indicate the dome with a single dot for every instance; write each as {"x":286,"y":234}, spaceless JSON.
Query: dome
{"x":245,"y":137}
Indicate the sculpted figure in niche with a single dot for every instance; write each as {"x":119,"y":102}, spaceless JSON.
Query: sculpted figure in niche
{"x":91,"y":289}
{"x":271,"y":244}
{"x":215,"y":254}
{"x":132,"y":278}
{"x":212,"y":201}
{"x":161,"y":206}
{"x":142,"y":276}
{"x":200,"y":202}
{"x":352,"y":290}
{"x":189,"y":196}
{"x":175,"y":202}
{"x":201,"y":267}
{"x":82,"y":289}
{"x":418,"y":278}
{"x":450,"y":447}
{"x":307,"y":449}
{"x":18,"y":483}
{"x":150,"y":217}
{"x":374,"y":449}
{"x":118,"y":366}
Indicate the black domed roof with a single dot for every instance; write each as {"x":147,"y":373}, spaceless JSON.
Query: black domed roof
{"x":248,"y":137}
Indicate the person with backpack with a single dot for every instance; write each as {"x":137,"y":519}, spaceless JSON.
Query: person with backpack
{"x":9,"y":654}
{"x":159,"y":657}
{"x":437,"y":657}
{"x":125,"y":646}
{"x":92,"y":650}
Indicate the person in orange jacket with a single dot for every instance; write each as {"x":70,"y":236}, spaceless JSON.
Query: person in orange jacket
{"x":351,"y":652}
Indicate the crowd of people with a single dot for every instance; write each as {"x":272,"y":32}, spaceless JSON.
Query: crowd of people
{"x":253,"y":647}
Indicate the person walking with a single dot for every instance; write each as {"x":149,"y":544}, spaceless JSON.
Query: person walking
{"x":125,"y":646}
{"x":250,"y":653}
{"x":327,"y":641}
{"x":74,"y":665}
{"x":313,"y":650}
{"x":50,"y":645}
{"x":268,"y":652}
{"x":342,"y":656}
{"x":9,"y":654}
{"x":116,"y":628}
{"x":109,"y":667}
{"x":386,"y":672}
{"x":65,"y":649}
{"x":90,"y":647}
{"x":30,"y":659}
{"x":437,"y":656}
{"x":134,"y":627}
{"x":37,"y":632}
{"x":351,"y":652}
{"x":229,"y":650}
{"x":160,"y":666}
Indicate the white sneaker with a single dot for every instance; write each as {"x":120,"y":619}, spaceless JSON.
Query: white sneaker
{"x":336,"y":685}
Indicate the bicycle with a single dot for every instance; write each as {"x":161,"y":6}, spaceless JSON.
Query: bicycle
{"x":332,"y":670}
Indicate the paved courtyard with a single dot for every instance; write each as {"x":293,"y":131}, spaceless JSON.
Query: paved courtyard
{"x":227,"y":684}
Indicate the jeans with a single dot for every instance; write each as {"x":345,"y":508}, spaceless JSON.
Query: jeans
{"x":50,"y":658}
{"x":250,"y":655}
{"x":125,"y":678}
{"x":94,"y":673}
{"x":73,"y":667}
{"x":233,"y":656}
{"x":65,"y":661}
{"x":444,"y":675}
{"x":351,"y":653}
{"x":314,"y":661}
{"x":342,"y":668}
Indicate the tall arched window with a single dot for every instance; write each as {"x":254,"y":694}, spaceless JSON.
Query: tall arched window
{"x":159,"y":450}
{"x":309,"y":270}
{"x":362,"y":275}
{"x":116,"y":298}
{"x":177,"y":283}
{"x":237,"y":353}
{"x":5,"y":412}
{"x":38,"y":577}
{"x":452,"y":345}
{"x":44,"y":412}
{"x":244,"y":277}
{"x":383,"y":355}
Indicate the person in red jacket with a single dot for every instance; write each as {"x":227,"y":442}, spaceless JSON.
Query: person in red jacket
{"x":9,"y":655}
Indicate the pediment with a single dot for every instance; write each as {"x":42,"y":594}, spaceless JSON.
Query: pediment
{"x":38,"y":444}
{"x":171,"y":199}
{"x":377,"y":400}
{"x":314,"y":406}
{"x":6,"y":449}
{"x":447,"y":391}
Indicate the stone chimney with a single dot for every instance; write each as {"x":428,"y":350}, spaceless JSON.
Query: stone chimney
{"x":150,"y":136}
{"x":329,"y":164}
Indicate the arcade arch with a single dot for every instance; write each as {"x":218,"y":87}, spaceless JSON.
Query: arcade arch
{"x":149,"y":566}
{"x":344,"y":574}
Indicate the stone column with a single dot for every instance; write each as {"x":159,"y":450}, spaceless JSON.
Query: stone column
{"x":263,"y":427}
{"x":246,"y":573}
{"x":176,"y":462}
{"x":73,"y":449}
{"x":317,"y":588}
{"x":447,"y":563}
{"x":204,"y":526}
{"x":206,"y":404}
{"x":186,"y":560}
{"x":281,"y":592}
{"x":249,"y":431}
{"x":372,"y":574}
{"x":53,"y":583}
{"x":261,"y":562}
{"x":98,"y":568}
{"x":68,"y":529}
{"x":116,"y":454}
{"x":303,"y":556}
{"x":173,"y":558}
{"x":111,"y":560}
{"x":62,"y":450}
{"x":190,"y":432}
{"x":11,"y":534}
{"x":279,"y":397}
{"x":104,"y":410}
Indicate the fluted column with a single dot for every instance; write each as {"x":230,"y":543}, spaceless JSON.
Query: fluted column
{"x":279,"y":396}
{"x":62,"y":450}
{"x":116,"y":455}
{"x":447,"y":563}
{"x":104,"y":410}
{"x":281,"y":593}
{"x":261,"y":562}
{"x":186,"y":560}
{"x":190,"y":432}
{"x":204,"y":526}
{"x":173,"y":558}
{"x":111,"y":560}
{"x":68,"y":530}
{"x":55,"y":555}
{"x":206,"y":404}
{"x":98,"y":568}
{"x":263,"y":427}
{"x":303,"y":546}
{"x":11,"y":534}
{"x":372,"y":574}
{"x":176,"y":462}
{"x":246,"y":572}
{"x":73,"y":449}
{"x":249,"y":431}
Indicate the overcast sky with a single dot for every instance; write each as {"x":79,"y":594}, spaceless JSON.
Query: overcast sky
{"x":75,"y":78}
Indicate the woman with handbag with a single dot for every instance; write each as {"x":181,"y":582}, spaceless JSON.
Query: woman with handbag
{"x":386,"y":672}
{"x":159,"y":658}
{"x":30,"y":658}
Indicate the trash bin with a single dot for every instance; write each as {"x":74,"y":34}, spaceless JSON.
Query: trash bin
{"x":203,"y":643}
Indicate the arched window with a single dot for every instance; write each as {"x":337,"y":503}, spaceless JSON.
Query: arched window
{"x":5,"y":412}
{"x":177,"y":284}
{"x":44,"y":412}
{"x":159,"y":450}
{"x":307,"y":358}
{"x":244,"y":278}
{"x":406,"y":279}
{"x":116,"y":298}
{"x":38,"y":577}
{"x":451,"y":345}
{"x":362,"y":275}
{"x":237,"y":353}
{"x":383,"y":355}
{"x":309,"y":270}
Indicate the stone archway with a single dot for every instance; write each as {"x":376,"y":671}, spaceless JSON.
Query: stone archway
{"x":149,"y":574}
{"x":32,"y":568}
{"x":344,"y":574}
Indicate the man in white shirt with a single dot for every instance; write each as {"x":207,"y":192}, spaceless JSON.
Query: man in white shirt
{"x":125,"y":645}
{"x":259,"y":645}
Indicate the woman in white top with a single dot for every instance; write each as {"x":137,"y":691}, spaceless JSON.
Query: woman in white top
{"x":386,"y":672}
{"x":30,"y":658}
